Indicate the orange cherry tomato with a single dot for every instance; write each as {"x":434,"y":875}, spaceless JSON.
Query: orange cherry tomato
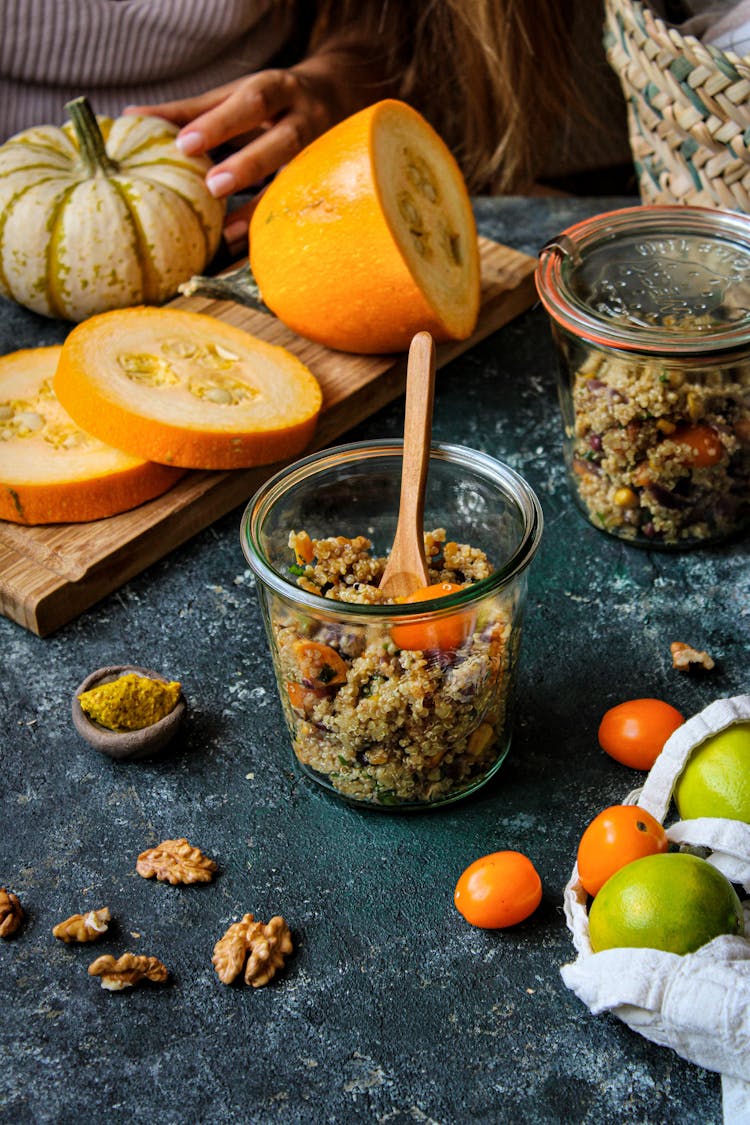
{"x":443,"y":633}
{"x":302,"y":545}
{"x":703,"y":442}
{"x":296,"y":693}
{"x":617,"y":836}
{"x":303,"y":698}
{"x":634,"y":732}
{"x":320,"y":664}
{"x":498,"y":890}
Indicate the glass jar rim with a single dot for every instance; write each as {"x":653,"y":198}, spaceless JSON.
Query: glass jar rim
{"x":512,"y":483}
{"x":571,"y":312}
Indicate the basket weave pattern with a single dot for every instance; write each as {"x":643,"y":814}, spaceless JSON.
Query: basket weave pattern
{"x":688,"y":110}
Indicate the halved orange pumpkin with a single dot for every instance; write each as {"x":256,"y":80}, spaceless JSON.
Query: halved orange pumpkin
{"x":368,"y":236}
{"x":186,"y":389}
{"x":50,"y":470}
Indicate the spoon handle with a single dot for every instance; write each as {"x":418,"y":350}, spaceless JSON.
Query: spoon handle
{"x":406,"y":569}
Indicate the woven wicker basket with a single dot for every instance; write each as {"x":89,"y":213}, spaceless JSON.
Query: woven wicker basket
{"x":688,"y":110}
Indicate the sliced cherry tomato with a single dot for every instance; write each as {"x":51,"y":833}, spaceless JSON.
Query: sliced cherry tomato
{"x":320,"y":664}
{"x":634,"y":732}
{"x":303,"y":699}
{"x":617,"y":836}
{"x":498,"y":890}
{"x":301,"y":543}
{"x":703,"y":443}
{"x":441,"y":633}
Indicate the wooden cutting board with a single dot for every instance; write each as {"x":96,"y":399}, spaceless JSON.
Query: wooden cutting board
{"x":51,"y":574}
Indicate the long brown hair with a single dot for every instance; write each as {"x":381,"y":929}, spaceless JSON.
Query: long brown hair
{"x":492,"y":76}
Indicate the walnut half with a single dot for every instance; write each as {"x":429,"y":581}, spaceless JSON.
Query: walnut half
{"x":175,"y":861}
{"x":127,"y":970}
{"x":259,"y":948}
{"x":268,"y":946}
{"x":686,"y":657}
{"x":230,"y":951}
{"x":11,"y":913}
{"x":83,"y":927}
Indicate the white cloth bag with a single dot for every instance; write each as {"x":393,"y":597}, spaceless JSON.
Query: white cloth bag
{"x":697,"y":1004}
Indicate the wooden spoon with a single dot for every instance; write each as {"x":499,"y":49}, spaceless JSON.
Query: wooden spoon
{"x":406,"y":569}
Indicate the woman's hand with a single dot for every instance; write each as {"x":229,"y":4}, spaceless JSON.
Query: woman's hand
{"x":270,"y":116}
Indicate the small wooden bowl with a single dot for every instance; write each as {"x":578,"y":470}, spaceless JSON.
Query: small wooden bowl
{"x":133,"y":744}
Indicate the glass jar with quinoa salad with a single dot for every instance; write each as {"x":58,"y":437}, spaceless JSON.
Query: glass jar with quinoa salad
{"x":650,"y":312}
{"x":395,"y":705}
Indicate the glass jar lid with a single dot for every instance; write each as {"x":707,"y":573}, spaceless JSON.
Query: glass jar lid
{"x":666,"y":279}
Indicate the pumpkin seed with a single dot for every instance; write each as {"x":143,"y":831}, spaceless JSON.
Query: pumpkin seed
{"x":62,"y":437}
{"x":452,"y":245}
{"x":219,"y":395}
{"x":225,"y":352}
{"x":422,"y":243}
{"x":216,"y":358}
{"x":419,"y":174}
{"x":221,"y":390}
{"x":179,"y":349}
{"x":142,"y":364}
{"x":29,"y":420}
{"x":146,"y":368}
{"x":409,"y":211}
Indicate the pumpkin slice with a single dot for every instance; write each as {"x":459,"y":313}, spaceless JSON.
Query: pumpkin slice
{"x":50,"y":470}
{"x":186,"y":389}
{"x":368,"y":236}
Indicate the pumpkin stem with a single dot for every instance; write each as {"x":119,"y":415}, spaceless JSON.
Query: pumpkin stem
{"x":237,"y":285}
{"x":89,"y":136}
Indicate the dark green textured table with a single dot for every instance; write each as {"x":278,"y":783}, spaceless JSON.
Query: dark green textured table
{"x":392,"y":1009}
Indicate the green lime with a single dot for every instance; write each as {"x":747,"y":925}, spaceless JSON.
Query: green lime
{"x":716,"y":779}
{"x":674,"y":901}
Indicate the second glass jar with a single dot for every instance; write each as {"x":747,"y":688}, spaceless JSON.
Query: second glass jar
{"x":650,"y":312}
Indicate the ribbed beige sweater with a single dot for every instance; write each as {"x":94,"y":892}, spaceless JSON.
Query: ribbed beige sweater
{"x":121,"y":52}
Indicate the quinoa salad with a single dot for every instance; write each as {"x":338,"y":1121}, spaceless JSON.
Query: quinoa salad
{"x":371,"y":715}
{"x":659,"y":453}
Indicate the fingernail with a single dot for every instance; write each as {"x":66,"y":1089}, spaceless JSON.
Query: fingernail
{"x":190,"y":143}
{"x":235,"y":232}
{"x":221,"y":184}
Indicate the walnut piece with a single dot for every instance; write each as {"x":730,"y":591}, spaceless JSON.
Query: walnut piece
{"x":686,"y":657}
{"x":175,"y":861}
{"x":268,"y":947}
{"x":127,"y":970}
{"x":11,"y":913}
{"x":264,"y":947}
{"x":230,"y":952}
{"x":83,"y":927}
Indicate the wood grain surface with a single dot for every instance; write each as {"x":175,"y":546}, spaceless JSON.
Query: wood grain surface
{"x":51,"y":574}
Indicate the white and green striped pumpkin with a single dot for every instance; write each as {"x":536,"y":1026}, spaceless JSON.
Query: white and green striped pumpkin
{"x":101,"y":214}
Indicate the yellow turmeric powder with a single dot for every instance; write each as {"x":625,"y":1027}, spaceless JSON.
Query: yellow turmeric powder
{"x":131,"y":702}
